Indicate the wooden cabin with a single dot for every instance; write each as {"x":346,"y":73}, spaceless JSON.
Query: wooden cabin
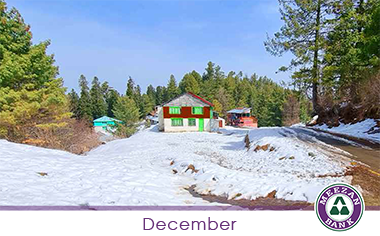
{"x":188,"y":112}
{"x":241,"y":117}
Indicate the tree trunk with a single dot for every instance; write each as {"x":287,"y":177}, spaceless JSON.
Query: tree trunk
{"x":315,"y":72}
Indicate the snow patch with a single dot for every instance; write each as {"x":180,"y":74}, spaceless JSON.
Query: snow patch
{"x":359,"y":129}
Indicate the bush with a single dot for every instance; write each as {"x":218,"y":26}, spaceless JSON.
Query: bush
{"x":370,"y":97}
{"x":76,"y":136}
{"x":353,"y":104}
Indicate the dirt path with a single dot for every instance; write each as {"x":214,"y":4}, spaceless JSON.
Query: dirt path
{"x":367,"y":177}
{"x":367,"y":154}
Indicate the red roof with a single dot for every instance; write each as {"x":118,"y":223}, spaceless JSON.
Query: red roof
{"x":203,"y":100}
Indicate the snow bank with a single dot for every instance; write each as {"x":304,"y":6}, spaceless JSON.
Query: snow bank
{"x":359,"y":130}
{"x":152,"y":168}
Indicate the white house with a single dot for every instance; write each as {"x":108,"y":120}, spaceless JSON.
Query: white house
{"x":187,"y":112}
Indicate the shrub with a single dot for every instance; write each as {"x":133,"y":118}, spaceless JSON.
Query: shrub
{"x":74,"y":136}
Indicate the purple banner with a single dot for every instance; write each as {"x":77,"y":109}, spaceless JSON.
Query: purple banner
{"x":131,"y":219}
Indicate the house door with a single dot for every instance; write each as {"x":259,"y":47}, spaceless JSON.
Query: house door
{"x":201,"y":124}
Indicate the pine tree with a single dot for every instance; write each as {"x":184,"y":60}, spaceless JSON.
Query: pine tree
{"x":98,"y":104}
{"x":346,"y":56}
{"x":31,"y":97}
{"x":218,"y":107}
{"x":85,"y":109}
{"x":225,"y":100}
{"x":197,"y":77}
{"x":26,"y":110}
{"x":371,"y":33}
{"x":130,"y":88}
{"x":105,"y":88}
{"x":137,"y":97}
{"x":151,"y":92}
{"x":189,"y":84}
{"x":160,"y":95}
{"x":21,"y":62}
{"x":210,"y":82}
{"x":74,"y":103}
{"x":210,"y":72}
{"x":127,"y":112}
{"x":303,"y":33}
{"x":147,"y":106}
{"x":111,"y":100}
{"x":172,"y":90}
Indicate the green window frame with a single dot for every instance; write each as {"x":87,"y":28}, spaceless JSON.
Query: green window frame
{"x":174,"y":110}
{"x":192,"y":122}
{"x":197,"y":110}
{"x":177,"y":121}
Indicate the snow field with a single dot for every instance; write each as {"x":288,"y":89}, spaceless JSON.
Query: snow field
{"x":137,"y":170}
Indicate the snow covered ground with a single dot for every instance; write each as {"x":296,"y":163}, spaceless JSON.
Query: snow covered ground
{"x":152,"y":168}
{"x":359,"y":129}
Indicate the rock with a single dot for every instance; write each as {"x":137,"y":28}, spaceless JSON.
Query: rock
{"x":236,"y":196}
{"x":271,"y":149}
{"x":311,"y":154}
{"x":257,"y":148}
{"x":265,"y":147}
{"x":174,"y":171}
{"x":192,"y":168}
{"x":313,"y":121}
{"x":171,"y":163}
{"x":291,"y":158}
{"x":282,"y":158}
{"x":272,"y":194}
{"x":42,"y":173}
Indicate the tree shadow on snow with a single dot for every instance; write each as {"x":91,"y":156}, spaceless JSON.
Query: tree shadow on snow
{"x":234,"y":146}
{"x":154,"y":129}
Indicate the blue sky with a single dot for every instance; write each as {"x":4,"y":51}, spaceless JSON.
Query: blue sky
{"x":151,"y":39}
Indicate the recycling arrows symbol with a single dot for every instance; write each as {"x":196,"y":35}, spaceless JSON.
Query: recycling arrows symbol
{"x":334,"y":210}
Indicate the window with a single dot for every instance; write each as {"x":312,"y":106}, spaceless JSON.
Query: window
{"x":192,"y":122}
{"x":197,"y":110}
{"x":174,"y":110}
{"x":177,"y":122}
